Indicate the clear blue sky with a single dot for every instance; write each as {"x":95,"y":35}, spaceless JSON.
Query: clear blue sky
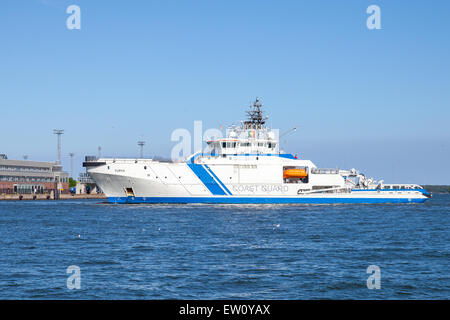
{"x":376,"y":100}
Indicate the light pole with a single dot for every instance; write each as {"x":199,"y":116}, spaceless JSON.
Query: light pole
{"x":71,"y":154}
{"x":59,"y":133}
{"x":141,"y":145}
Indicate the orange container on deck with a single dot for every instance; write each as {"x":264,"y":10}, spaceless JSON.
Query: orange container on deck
{"x":294,"y":173}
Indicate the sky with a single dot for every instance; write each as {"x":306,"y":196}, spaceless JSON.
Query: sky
{"x":374,"y":100}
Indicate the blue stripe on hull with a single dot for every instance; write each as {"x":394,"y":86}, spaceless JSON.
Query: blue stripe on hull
{"x":241,"y":200}
{"x":206,"y":179}
{"x":218,"y":180}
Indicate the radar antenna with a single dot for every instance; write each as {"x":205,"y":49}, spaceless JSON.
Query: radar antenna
{"x":256,"y":120}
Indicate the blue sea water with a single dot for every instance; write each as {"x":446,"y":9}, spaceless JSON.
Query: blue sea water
{"x":224,"y":251}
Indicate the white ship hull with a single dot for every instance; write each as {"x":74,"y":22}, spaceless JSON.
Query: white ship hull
{"x":231,"y":180}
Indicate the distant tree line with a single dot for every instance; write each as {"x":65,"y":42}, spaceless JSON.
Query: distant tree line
{"x":437,"y":189}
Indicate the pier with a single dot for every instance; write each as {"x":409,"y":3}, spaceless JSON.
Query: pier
{"x":18,"y":197}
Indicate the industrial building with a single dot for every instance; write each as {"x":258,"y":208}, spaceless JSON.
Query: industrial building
{"x":32,"y":177}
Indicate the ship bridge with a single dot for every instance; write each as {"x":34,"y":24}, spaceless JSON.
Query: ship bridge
{"x":251,"y":137}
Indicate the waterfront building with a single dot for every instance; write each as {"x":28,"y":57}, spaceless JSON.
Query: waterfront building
{"x":32,"y":177}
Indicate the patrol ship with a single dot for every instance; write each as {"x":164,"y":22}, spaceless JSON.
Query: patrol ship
{"x":244,"y":167}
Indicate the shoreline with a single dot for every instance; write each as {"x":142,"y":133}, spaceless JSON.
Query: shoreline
{"x":37,"y":197}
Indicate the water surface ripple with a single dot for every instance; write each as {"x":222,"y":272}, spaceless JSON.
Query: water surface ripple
{"x":224,"y":251}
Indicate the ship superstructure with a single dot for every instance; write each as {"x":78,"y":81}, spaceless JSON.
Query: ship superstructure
{"x":246,"y":166}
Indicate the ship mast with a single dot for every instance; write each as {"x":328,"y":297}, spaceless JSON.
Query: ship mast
{"x":255,"y":116}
